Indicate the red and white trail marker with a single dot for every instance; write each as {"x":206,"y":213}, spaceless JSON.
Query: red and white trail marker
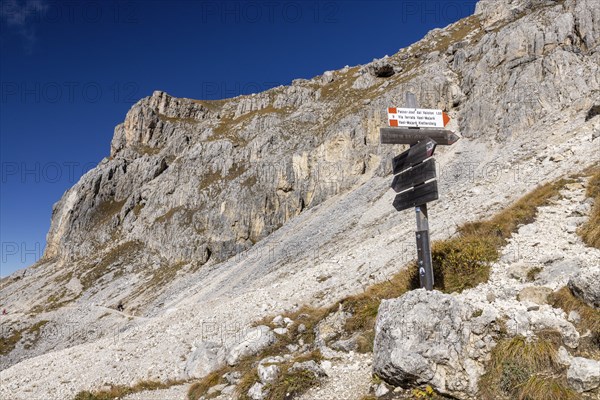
{"x":417,"y":117}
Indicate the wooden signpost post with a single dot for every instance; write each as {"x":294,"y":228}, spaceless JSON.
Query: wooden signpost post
{"x":414,"y":170}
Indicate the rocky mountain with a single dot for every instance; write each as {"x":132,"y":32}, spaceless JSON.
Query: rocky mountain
{"x":208,"y":215}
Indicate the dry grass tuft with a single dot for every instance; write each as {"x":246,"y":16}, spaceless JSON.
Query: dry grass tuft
{"x":118,"y":391}
{"x":463,"y":262}
{"x":589,"y":321}
{"x":590,"y":231}
{"x":546,"y":388}
{"x":9,"y":340}
{"x":200,"y":388}
{"x":291,"y":384}
{"x":522,"y":369}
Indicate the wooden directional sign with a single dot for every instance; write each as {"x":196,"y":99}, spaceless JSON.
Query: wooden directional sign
{"x":417,"y":117}
{"x":418,"y":195}
{"x":413,"y":156}
{"x":412,"y":136}
{"x":418,"y":174}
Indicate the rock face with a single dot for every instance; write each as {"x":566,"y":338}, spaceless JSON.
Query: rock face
{"x":586,"y":286}
{"x":208,"y":214}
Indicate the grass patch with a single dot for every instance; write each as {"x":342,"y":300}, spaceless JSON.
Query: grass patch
{"x":503,"y":224}
{"x":201,"y":387}
{"x":144,"y":149}
{"x":175,"y":120}
{"x":9,"y":342}
{"x":11,"y":337}
{"x":288,"y":384}
{"x":590,"y":231}
{"x":533,"y":273}
{"x":137,"y":209}
{"x":364,"y":306}
{"x":463,"y":262}
{"x":106,"y":210}
{"x":547,"y":388}
{"x":291,"y":384}
{"x":122,"y":253}
{"x":118,"y":391}
{"x":35,"y":330}
{"x":522,"y":369}
{"x":168,"y":216}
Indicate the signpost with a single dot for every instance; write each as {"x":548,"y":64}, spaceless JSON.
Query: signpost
{"x":417,"y":117}
{"x":416,"y":175}
{"x":413,"y":136}
{"x":414,"y":170}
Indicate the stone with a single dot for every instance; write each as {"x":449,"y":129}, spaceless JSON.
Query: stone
{"x":254,"y":341}
{"x":233,"y":377}
{"x":228,"y":390}
{"x":311,"y":366}
{"x":381,"y":390}
{"x":331,"y":327}
{"x":381,"y":68}
{"x":216,"y":389}
{"x":327,"y":77}
{"x":346,"y":345}
{"x":583,"y":374}
{"x":535,"y":294}
{"x":256,"y":391}
{"x":267,"y":374}
{"x":564,"y":358}
{"x":280,"y":331}
{"x":574,"y":317}
{"x":207,"y":357}
{"x":273,"y":359}
{"x":585,"y":285}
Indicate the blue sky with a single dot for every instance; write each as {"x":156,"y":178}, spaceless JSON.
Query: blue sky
{"x":69,"y":71}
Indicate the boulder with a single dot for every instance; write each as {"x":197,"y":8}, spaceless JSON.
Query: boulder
{"x":381,"y":68}
{"x":432,"y":338}
{"x":585,"y":285}
{"x":381,"y":390}
{"x":310,"y":366}
{"x":268,"y":373}
{"x":535,"y":294}
{"x":583,"y":374}
{"x":256,"y":392}
{"x":207,"y":357}
{"x":254,"y":341}
{"x":331,"y":327}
